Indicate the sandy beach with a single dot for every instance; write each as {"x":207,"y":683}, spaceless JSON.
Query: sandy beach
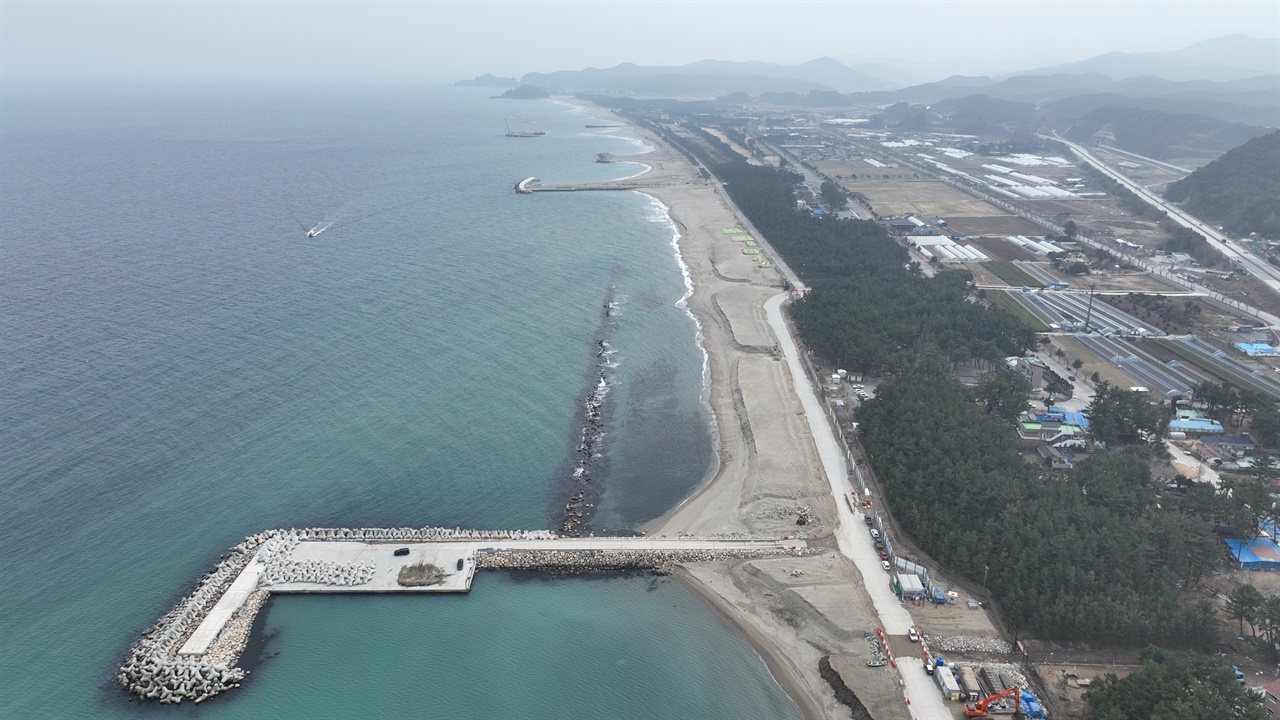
{"x":792,"y":610}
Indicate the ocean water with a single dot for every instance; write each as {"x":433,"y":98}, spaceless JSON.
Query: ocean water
{"x":180,"y":366}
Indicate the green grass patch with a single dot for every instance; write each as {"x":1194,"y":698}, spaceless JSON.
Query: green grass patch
{"x":1008,"y":302}
{"x":1012,"y":274}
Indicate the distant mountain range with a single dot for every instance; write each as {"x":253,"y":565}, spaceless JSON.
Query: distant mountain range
{"x":1211,"y":96}
{"x":709,"y":78}
{"x":1226,"y":59}
{"x":487,"y":81}
{"x":1231,"y":57}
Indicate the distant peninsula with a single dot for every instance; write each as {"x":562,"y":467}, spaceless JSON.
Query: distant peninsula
{"x":525,"y":92}
{"x":487,"y":81}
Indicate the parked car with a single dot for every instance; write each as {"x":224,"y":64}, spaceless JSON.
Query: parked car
{"x":875,"y":663}
{"x":884,"y":555}
{"x":913,"y":636}
{"x":401,"y":552}
{"x":884,"y":564}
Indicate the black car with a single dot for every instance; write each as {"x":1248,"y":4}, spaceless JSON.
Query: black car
{"x":402,"y":552}
{"x":459,"y":563}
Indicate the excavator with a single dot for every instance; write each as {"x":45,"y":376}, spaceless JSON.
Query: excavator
{"x":979,"y":709}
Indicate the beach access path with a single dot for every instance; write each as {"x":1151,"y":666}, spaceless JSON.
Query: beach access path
{"x":853,"y":541}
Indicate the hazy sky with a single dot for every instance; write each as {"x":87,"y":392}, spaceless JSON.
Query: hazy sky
{"x":100,"y":42}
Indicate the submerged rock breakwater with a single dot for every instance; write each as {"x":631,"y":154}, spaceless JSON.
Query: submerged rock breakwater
{"x":589,"y":561}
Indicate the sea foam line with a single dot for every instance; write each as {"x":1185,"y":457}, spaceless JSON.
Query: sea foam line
{"x":662,"y":214}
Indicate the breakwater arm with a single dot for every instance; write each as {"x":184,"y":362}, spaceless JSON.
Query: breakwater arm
{"x":190,"y":652}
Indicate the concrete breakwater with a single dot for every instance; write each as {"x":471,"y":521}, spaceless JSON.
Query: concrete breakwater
{"x":152,"y":668}
{"x":190,"y":653}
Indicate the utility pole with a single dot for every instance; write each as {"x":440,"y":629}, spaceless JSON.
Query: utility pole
{"x":985,"y":568}
{"x":1089,"y":314}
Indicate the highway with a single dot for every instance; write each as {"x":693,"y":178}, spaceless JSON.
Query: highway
{"x":1261,"y":269}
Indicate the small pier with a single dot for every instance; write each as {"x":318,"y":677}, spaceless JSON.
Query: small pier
{"x":190,"y":653}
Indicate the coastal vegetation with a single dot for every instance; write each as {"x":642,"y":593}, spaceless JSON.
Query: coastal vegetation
{"x":1172,"y":686}
{"x":1087,"y":554}
{"x":890,"y":321}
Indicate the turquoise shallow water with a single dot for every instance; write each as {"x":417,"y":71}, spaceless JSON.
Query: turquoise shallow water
{"x":181,"y":367}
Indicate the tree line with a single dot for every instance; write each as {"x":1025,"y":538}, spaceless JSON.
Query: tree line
{"x":1086,"y":555}
{"x":1174,"y":687}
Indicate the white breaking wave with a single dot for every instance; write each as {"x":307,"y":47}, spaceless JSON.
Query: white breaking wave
{"x":662,"y":214}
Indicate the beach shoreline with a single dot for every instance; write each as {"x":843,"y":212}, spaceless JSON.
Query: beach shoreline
{"x":794,"y":612}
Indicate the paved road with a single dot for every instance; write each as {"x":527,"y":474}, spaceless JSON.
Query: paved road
{"x":1260,"y":269}
{"x":1081,"y":394}
{"x":926,"y":702}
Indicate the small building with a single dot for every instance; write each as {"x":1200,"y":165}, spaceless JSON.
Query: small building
{"x":901,"y":227}
{"x":1031,"y":367}
{"x":947,"y":683}
{"x":1260,"y":553}
{"x":910,"y":586}
{"x":1257,"y":349}
{"x":1271,"y":698}
{"x":1196,"y":426}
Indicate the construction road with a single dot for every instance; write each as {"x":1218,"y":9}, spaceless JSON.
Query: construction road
{"x":923,"y":697}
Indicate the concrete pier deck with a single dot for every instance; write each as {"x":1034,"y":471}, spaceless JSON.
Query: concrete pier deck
{"x":231,"y":601}
{"x":444,"y":555}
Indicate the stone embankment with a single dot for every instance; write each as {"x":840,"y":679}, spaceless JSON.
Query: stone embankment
{"x":153,"y":668}
{"x":588,"y":561}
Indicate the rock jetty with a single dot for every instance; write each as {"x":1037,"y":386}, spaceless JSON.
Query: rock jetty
{"x":153,"y":668}
{"x":589,"y":561}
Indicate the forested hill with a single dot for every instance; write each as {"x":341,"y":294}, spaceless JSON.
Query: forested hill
{"x":1163,"y":134}
{"x":1240,"y":190}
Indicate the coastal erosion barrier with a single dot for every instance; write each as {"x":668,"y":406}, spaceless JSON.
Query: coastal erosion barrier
{"x":190,"y":653}
{"x":531,"y":185}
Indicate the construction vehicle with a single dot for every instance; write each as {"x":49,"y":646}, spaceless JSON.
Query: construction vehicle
{"x":979,"y":709}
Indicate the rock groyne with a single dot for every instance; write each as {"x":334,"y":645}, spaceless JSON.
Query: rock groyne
{"x":591,"y":561}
